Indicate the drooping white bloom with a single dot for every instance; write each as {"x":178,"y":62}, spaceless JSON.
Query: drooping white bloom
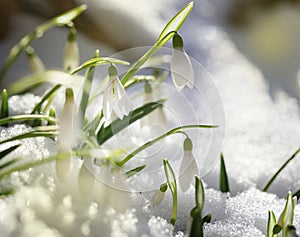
{"x":85,"y":181}
{"x":159,"y":194}
{"x":35,"y":63}
{"x":71,"y":53}
{"x":112,"y":192}
{"x":188,"y":166}
{"x":156,"y":119}
{"x":181,"y":67}
{"x":66,"y":139}
{"x":115,"y":98}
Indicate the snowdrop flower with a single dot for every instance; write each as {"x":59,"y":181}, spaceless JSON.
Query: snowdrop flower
{"x":115,"y":98}
{"x":155,"y":117}
{"x":35,"y":63}
{"x":71,"y":54}
{"x":181,"y":68}
{"x":188,"y":168}
{"x":66,"y":136}
{"x":85,"y":181}
{"x":111,"y":192}
{"x":159,"y":194}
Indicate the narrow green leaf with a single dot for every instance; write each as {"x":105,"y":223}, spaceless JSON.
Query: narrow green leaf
{"x":26,"y":117}
{"x":97,"y":62}
{"x":166,"y":34}
{"x":63,"y":19}
{"x":43,"y":131}
{"x":4,"y":105}
{"x":269,"y":183}
{"x":52,"y":76}
{"x":271,"y":224}
{"x":52,"y":114}
{"x":116,"y":126}
{"x":26,"y":166}
{"x":89,"y":76}
{"x":8,"y":150}
{"x":7,"y":192}
{"x":224,"y":184}
{"x":8,"y":163}
{"x":175,"y":23}
{"x":37,"y":108}
{"x":199,"y":194}
{"x":171,"y":180}
{"x":196,"y":229}
{"x":134,"y":171}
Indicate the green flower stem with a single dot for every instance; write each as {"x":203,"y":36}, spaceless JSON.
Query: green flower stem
{"x":166,"y":34}
{"x":150,"y":143}
{"x":61,"y":20}
{"x":4,"y":105}
{"x":19,"y":118}
{"x":266,"y":187}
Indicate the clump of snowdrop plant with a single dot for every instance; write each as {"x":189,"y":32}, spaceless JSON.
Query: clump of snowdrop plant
{"x":79,"y":136}
{"x":102,"y":174}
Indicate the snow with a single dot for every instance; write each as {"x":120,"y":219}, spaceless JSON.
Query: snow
{"x":260,"y":131}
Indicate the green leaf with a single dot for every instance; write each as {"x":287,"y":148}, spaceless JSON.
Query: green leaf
{"x":25,"y":117}
{"x":63,"y":19}
{"x":7,"y":192}
{"x":224,"y":184}
{"x":269,"y":183}
{"x":199,"y":194}
{"x":116,"y":126}
{"x":4,"y":105}
{"x":43,"y":131}
{"x":175,"y":23}
{"x":134,"y":171}
{"x":52,"y":114}
{"x":8,"y":163}
{"x":196,"y":229}
{"x":171,"y":180}
{"x":89,"y":76}
{"x":98,"y":61}
{"x":8,"y":150}
{"x":271,"y":224}
{"x":287,"y":216}
{"x":37,"y":108}
{"x":52,"y":76}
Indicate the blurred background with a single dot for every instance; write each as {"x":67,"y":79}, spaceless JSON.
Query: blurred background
{"x":266,"y":32}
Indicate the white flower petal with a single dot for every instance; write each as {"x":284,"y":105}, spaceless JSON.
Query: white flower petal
{"x":122,"y":102}
{"x":181,"y":70}
{"x":85,"y":181}
{"x":119,"y":196}
{"x":108,"y":101}
{"x":158,"y":197}
{"x":187,"y":170}
{"x":71,"y":55}
{"x":63,"y":166}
